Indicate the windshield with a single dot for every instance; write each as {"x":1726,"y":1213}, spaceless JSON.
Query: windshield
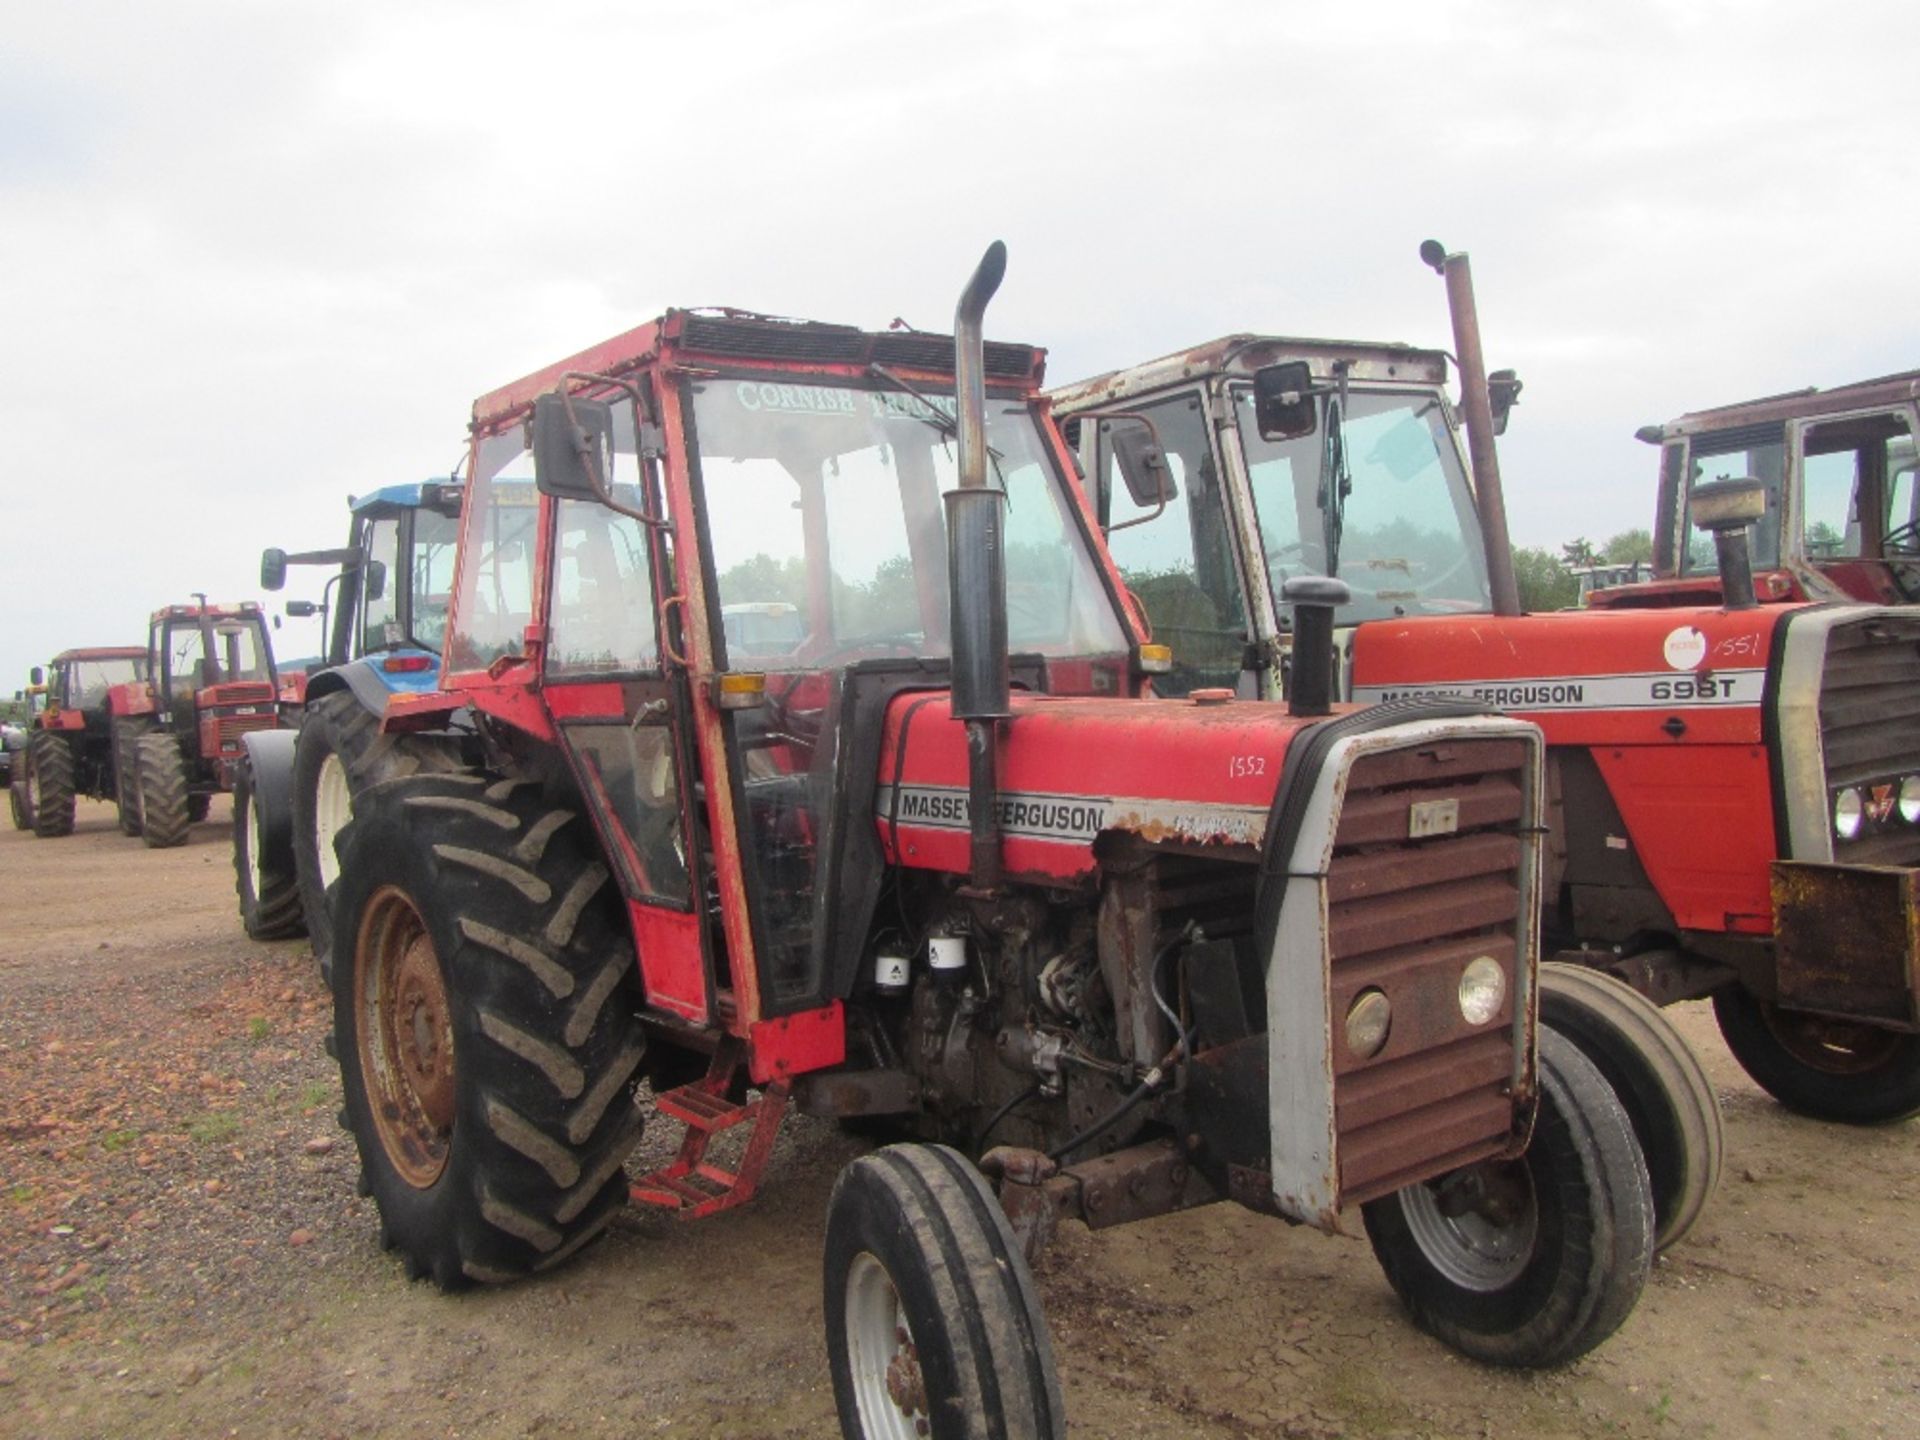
{"x":89,"y":680}
{"x":1757,"y":452}
{"x":1409,"y":543}
{"x":823,"y":506}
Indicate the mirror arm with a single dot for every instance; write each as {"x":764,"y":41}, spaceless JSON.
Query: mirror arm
{"x":601,"y":489}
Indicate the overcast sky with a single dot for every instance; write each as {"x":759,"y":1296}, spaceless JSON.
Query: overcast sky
{"x":255,"y":256}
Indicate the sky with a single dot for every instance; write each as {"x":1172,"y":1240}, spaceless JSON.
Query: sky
{"x":256,"y":257}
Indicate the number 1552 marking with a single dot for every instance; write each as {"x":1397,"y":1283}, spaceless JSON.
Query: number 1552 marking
{"x":1241,"y":766}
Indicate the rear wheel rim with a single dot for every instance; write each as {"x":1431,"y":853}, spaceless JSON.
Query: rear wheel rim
{"x":332,"y":809}
{"x":1488,"y":1243}
{"x":889,"y":1389}
{"x":1833,"y":1047}
{"x":405,"y":1037}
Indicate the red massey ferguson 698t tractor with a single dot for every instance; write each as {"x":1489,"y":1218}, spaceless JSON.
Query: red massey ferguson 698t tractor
{"x":1733,"y":799}
{"x":1136,"y":954}
{"x":209,"y":681}
{"x":70,"y":751}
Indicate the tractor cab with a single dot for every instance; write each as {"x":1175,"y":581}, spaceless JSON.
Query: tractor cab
{"x":1223,"y":472}
{"x":1842,"y":517}
{"x":212,"y":674}
{"x":76,"y":690}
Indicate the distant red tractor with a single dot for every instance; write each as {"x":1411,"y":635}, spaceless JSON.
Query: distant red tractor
{"x":177,"y":732}
{"x":71,"y":751}
{"x":1136,"y":955}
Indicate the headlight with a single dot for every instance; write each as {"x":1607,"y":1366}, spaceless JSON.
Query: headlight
{"x":1848,"y":813}
{"x":1368,"y":1020}
{"x":1483,"y":985}
{"x":1910,"y":799}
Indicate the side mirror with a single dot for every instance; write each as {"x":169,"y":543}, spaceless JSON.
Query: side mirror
{"x":38,"y":675}
{"x":1142,"y":461}
{"x":276,"y":622}
{"x":376,"y":579}
{"x":301,"y":609}
{"x":572,"y":452}
{"x":1283,"y":400}
{"x":273,"y":569}
{"x":1503,"y":393}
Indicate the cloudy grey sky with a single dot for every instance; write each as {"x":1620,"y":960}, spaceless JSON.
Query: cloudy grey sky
{"x":258,"y":255}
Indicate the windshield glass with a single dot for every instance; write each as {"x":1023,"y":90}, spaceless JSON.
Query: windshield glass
{"x":89,"y":680}
{"x":1757,"y":452}
{"x":827,"y":527}
{"x":1409,"y":542}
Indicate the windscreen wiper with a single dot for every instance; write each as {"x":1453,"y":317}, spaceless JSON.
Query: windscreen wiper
{"x":1336,"y":479}
{"x":934,"y":416}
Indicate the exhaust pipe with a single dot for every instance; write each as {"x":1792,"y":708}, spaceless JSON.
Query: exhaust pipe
{"x":1310,"y":677}
{"x":1725,"y":509}
{"x":977,"y":577}
{"x":1488,"y":499}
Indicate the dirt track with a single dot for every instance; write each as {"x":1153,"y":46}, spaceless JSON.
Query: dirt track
{"x":182,"y":1251}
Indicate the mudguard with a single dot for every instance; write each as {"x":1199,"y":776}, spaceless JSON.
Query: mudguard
{"x":370,"y":684}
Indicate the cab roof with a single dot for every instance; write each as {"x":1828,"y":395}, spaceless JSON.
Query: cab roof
{"x":1371,"y":362}
{"x":245,"y":610}
{"x":406,"y":497}
{"x":1792,"y":405}
{"x":738,"y":337}
{"x":102,"y":652}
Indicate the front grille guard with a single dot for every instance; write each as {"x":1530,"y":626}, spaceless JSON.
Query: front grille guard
{"x":1305,"y":1134}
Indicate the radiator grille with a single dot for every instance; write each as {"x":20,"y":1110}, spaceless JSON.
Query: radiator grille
{"x":1405,"y":916}
{"x":1870,"y":730}
{"x":229,"y":728}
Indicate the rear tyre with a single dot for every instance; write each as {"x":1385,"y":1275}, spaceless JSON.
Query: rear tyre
{"x":50,"y":784}
{"x":484,"y":1025}
{"x":340,"y":753}
{"x":1829,"y":1069}
{"x":163,"y":791}
{"x":1535,"y":1261}
{"x":126,"y":772}
{"x":269,"y":897}
{"x":1657,"y":1079}
{"x":933,"y":1324}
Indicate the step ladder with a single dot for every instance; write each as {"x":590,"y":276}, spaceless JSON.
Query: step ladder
{"x":692,"y":1186}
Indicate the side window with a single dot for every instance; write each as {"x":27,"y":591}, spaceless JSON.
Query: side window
{"x":1851,"y":496}
{"x":496,"y":573}
{"x":379,"y":585}
{"x":436,"y":540}
{"x":602,"y":611}
{"x":1179,"y":564}
{"x":1829,"y":490}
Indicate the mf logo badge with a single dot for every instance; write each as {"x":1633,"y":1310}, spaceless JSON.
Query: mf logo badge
{"x":1432,"y":817}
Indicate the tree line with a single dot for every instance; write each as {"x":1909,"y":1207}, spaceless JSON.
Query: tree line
{"x":1547,"y":581}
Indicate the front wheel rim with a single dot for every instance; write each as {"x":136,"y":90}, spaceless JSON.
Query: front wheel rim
{"x":889,"y":1388}
{"x":253,"y":847}
{"x":332,"y":809}
{"x":1484,"y":1244}
{"x":404,"y":1031}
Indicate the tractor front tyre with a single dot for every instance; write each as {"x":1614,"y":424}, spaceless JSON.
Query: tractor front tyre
{"x":126,"y":772}
{"x":163,"y":791}
{"x":50,"y":786}
{"x":1657,"y":1079}
{"x":933,"y":1323}
{"x":1830,"y":1069}
{"x":269,"y":896}
{"x":199,"y":805}
{"x":340,"y":752}
{"x":484,"y":1022}
{"x":1530,"y":1262}
{"x":20,"y":796}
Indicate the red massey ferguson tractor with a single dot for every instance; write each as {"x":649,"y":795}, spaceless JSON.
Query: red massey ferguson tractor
{"x":1733,"y":797}
{"x":70,"y":752}
{"x":1137,"y":955}
{"x":210,"y":680}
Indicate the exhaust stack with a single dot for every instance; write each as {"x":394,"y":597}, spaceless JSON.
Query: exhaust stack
{"x":1488,"y":498}
{"x":976,"y":576}
{"x":1310,"y":680}
{"x":1725,"y":509}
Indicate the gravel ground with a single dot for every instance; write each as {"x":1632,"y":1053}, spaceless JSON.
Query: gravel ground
{"x":182,"y":1251}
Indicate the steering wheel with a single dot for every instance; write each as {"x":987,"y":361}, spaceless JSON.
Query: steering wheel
{"x":1904,"y":538}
